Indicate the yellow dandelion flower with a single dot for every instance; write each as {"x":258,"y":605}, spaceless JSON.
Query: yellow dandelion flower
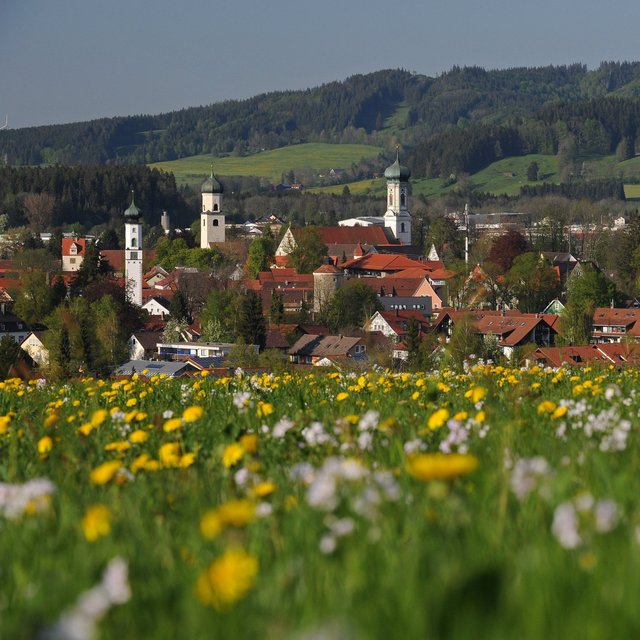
{"x":343,"y":395}
{"x":96,"y":522}
{"x":45,"y":445}
{"x":440,"y":466}
{"x":172,"y":424}
{"x":4,"y":424}
{"x":120,"y":446}
{"x":139,"y":436}
{"x":210,"y":525}
{"x":264,"y":489}
{"x":249,"y":442}
{"x":237,"y":513}
{"x":191,"y":414}
{"x":132,"y":402}
{"x":228,"y":578}
{"x":51,"y":420}
{"x":105,"y":472}
{"x":560,"y":412}
{"x":98,"y":417}
{"x":232,"y":454}
{"x":264,"y":409}
{"x":460,"y":416}
{"x":169,"y":454}
{"x":481,"y":416}
{"x":140,"y":462}
{"x":437,"y":419}
{"x":186,"y":460}
{"x":546,"y":406}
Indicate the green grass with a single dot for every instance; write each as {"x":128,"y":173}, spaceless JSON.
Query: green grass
{"x":270,"y":164}
{"x":632,"y":191}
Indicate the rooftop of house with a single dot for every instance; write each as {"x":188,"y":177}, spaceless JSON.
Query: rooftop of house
{"x":324,"y":346}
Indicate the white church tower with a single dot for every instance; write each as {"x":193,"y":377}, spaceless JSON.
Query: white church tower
{"x":133,"y":253}
{"x":397,"y":218}
{"x":211,"y":216}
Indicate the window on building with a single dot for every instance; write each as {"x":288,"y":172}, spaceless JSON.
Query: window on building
{"x":72,"y":260}
{"x":402,"y":227}
{"x":215,"y":223}
{"x":204,"y":222}
{"x":403,"y":198}
{"x":215,"y":207}
{"x":390,"y":198}
{"x":134,"y":242}
{"x":133,"y":255}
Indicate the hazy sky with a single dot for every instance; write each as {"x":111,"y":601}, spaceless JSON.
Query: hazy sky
{"x":70,"y":60}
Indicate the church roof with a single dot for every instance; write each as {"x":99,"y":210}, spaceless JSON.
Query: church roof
{"x":397,"y":171}
{"x":132,"y":214}
{"x":211,"y":185}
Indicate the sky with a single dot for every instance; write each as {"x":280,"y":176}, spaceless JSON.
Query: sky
{"x":73,"y":60}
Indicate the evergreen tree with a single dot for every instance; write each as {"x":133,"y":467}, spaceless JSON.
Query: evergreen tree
{"x":412,"y":342}
{"x":178,"y":307}
{"x":276,"y":309}
{"x":10,"y":355}
{"x":251,"y":323}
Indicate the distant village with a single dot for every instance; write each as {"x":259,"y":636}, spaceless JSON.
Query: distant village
{"x":411,"y":303}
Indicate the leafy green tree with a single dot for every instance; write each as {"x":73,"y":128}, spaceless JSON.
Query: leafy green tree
{"x":309,"y":251}
{"x":464,"y":343}
{"x":93,"y":269}
{"x":35,"y":298}
{"x":533,"y":282}
{"x":447,"y":239}
{"x":587,"y":288}
{"x":351,"y":306}
{"x":219,"y":316}
{"x":110,"y":336}
{"x":258,"y":257}
{"x":174,"y":330}
{"x":251,"y":323}
{"x":10,"y":355}
{"x":532,"y":171}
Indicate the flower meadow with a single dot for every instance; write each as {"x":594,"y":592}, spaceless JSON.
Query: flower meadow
{"x":496,"y":503}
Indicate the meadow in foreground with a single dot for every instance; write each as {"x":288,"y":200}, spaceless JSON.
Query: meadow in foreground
{"x":495,"y":503}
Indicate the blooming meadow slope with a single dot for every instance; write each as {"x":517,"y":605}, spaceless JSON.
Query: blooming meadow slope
{"x":496,"y":503}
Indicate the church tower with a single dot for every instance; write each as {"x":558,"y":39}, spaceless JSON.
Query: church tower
{"x":133,"y":253}
{"x":397,"y":218}
{"x":211,"y":216}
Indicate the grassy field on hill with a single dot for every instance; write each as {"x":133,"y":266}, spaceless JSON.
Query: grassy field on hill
{"x":270,"y":164}
{"x":507,"y":176}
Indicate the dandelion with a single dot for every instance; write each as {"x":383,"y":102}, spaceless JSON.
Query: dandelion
{"x":437,"y":419}
{"x":228,"y":579}
{"x":172,"y":424}
{"x":105,"y":472}
{"x":264,"y":409}
{"x":232,"y":454}
{"x":439,"y":466}
{"x":169,"y":454}
{"x":45,"y":445}
{"x":96,"y":522}
{"x":343,"y":395}
{"x":193,"y":413}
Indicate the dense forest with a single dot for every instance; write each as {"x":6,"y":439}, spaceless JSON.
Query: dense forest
{"x":459,"y":121}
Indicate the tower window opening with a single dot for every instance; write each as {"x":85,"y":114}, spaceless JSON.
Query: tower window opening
{"x":402,"y":227}
{"x":134,"y":242}
{"x":215,"y":223}
{"x":402,"y":199}
{"x":390,"y":199}
{"x":215,"y":207}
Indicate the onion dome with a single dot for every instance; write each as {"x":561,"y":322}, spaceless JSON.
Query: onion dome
{"x":397,"y":171}
{"x":132,"y":214}
{"x":211,"y":185}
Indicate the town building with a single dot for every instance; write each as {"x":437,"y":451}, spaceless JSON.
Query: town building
{"x":133,"y":253}
{"x":212,"y":219}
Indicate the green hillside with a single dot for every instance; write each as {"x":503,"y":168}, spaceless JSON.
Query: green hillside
{"x":507,"y":176}
{"x":270,"y":164}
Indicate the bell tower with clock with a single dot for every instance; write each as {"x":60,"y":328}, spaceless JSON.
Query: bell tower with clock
{"x":397,"y":217}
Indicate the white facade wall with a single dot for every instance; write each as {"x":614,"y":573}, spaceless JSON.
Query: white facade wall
{"x":133,"y":262}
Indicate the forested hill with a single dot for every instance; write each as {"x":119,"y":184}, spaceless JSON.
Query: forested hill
{"x":458,"y":121}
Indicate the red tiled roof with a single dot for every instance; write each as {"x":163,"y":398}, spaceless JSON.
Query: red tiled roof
{"x":347,"y":235}
{"x":383,"y":262}
{"x":67,"y":243}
